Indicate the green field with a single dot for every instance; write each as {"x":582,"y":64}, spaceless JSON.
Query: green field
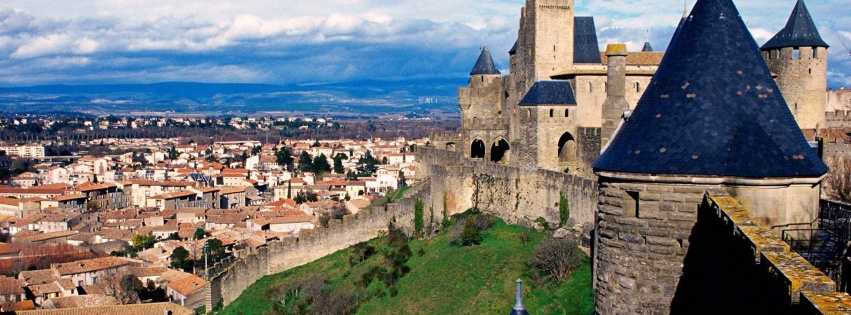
{"x":444,"y":279}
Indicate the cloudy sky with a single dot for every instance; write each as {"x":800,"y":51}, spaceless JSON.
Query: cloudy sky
{"x":318,"y":41}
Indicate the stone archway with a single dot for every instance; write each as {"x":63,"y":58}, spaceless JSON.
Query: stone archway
{"x":566,"y":149}
{"x":499,"y":151}
{"x":477,"y":149}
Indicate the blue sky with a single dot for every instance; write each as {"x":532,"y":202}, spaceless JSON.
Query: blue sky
{"x":318,"y":41}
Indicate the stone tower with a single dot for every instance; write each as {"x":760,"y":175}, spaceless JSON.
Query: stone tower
{"x":798,"y":56}
{"x":615,"y":104}
{"x":550,"y":24}
{"x":483,"y":127}
{"x":707,"y":122}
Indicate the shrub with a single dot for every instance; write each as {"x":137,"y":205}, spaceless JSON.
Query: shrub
{"x":563,"y":209}
{"x":470,"y":235}
{"x":360,"y":252}
{"x":418,"y":218}
{"x":555,"y":258}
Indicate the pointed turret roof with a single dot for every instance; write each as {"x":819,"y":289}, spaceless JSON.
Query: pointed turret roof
{"x":712,"y":109}
{"x":800,"y":31}
{"x":513,"y":49}
{"x":485,"y":64}
{"x":647,"y":47}
{"x":519,"y":309}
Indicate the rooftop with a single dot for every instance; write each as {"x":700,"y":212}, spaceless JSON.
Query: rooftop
{"x":714,"y":114}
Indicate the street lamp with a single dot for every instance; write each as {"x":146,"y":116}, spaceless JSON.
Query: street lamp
{"x":206,"y":251}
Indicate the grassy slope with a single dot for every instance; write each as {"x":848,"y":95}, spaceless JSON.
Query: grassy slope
{"x":448,"y":279}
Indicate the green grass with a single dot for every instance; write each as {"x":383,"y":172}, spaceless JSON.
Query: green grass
{"x":447,"y":279}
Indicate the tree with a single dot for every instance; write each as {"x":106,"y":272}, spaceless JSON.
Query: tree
{"x":402,"y":181}
{"x":338,"y":163}
{"x":284,"y":157}
{"x":180,"y":259}
{"x":200,"y":234}
{"x":143,"y":241}
{"x":124,"y":287}
{"x":302,"y":197}
{"x":93,"y":205}
{"x":320,"y":165}
{"x":470,"y":235}
{"x":172,"y":153}
{"x":216,"y":249}
{"x":255,"y":150}
{"x":839,"y":179}
{"x":305,"y":163}
{"x":555,"y":258}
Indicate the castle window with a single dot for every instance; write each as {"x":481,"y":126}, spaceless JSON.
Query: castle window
{"x":815,"y":54}
{"x":796,"y":54}
{"x":811,"y":70}
{"x":637,"y":87}
{"x":552,"y":111}
{"x":566,"y":113}
{"x":630,"y":206}
{"x":529,"y":113}
{"x":606,"y":87}
{"x":590,"y":87}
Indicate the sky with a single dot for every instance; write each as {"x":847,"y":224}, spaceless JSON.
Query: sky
{"x":325,"y":41}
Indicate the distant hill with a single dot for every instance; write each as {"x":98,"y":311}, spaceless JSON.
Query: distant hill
{"x":355,"y":97}
{"x":443,"y":279}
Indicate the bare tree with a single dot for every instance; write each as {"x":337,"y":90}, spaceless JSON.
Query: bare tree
{"x":838,"y":181}
{"x":556,"y":258}
{"x":125,"y":287}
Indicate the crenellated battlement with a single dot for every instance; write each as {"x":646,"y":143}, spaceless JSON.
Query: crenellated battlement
{"x":229,"y":278}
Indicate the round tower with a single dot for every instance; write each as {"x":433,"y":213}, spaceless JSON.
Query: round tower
{"x":481,"y":108}
{"x":707,"y":123}
{"x":797,"y":56}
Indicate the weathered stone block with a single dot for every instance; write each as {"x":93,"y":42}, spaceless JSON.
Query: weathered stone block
{"x":631,"y":238}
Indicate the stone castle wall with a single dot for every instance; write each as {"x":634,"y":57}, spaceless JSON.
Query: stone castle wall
{"x":230,"y":278}
{"x":516,"y":195}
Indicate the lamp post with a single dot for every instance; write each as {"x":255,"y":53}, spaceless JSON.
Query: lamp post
{"x":206,"y":251}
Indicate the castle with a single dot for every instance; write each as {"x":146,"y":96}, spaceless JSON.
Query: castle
{"x":681,"y":171}
{"x":563,"y":99}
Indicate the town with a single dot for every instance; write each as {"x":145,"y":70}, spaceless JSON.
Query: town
{"x":90,"y":228}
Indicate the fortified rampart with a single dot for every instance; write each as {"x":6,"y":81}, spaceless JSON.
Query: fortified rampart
{"x":230,"y":278}
{"x":736,"y":265}
{"x":516,"y":195}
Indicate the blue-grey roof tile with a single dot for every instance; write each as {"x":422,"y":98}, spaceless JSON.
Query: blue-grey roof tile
{"x":647,"y":47}
{"x":800,"y":31}
{"x":513,"y":49}
{"x":712,"y":108}
{"x":585,"y":47}
{"x":549,"y":92}
{"x":484,"y":65}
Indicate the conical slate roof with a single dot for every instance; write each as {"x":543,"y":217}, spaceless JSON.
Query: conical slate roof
{"x":513,"y":49}
{"x":799,"y":31}
{"x":712,"y":109}
{"x":647,"y":47}
{"x":485,"y":64}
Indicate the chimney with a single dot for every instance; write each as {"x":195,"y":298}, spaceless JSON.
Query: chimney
{"x":615,"y":104}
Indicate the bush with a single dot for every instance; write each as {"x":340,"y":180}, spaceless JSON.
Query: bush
{"x":554,"y":259}
{"x":360,"y":252}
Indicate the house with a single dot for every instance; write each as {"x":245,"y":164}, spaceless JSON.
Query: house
{"x":92,"y":271}
{"x":292,"y":223}
{"x":11,"y":290}
{"x":188,"y":291}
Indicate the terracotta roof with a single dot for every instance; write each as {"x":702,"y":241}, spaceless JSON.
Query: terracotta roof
{"x":639,"y":58}
{"x":31,"y":191}
{"x":89,"y":186}
{"x":77,"y":301}
{"x":187,"y":285}
{"x":9,"y":285}
{"x":9,"y":201}
{"x":90,"y":265}
{"x":291,"y":219}
{"x":147,"y":271}
{"x":68,"y":197}
{"x":233,"y":190}
{"x":42,"y":289}
{"x":162,"y":183}
{"x":46,"y":236}
{"x":39,"y":276}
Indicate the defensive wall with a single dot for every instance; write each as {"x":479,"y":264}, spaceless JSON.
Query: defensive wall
{"x":516,"y":195}
{"x":735,"y":265}
{"x":231,"y":277}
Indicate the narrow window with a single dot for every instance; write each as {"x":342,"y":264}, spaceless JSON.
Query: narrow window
{"x":566,"y":113}
{"x":551,"y":112}
{"x":590,"y":87}
{"x":811,"y":70}
{"x":796,"y":54}
{"x":606,"y":87}
{"x":637,"y":87}
{"x":631,"y":204}
{"x":529,"y":113}
{"x":815,"y":54}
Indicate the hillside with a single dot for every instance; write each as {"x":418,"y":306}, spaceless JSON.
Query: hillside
{"x":444,"y":279}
